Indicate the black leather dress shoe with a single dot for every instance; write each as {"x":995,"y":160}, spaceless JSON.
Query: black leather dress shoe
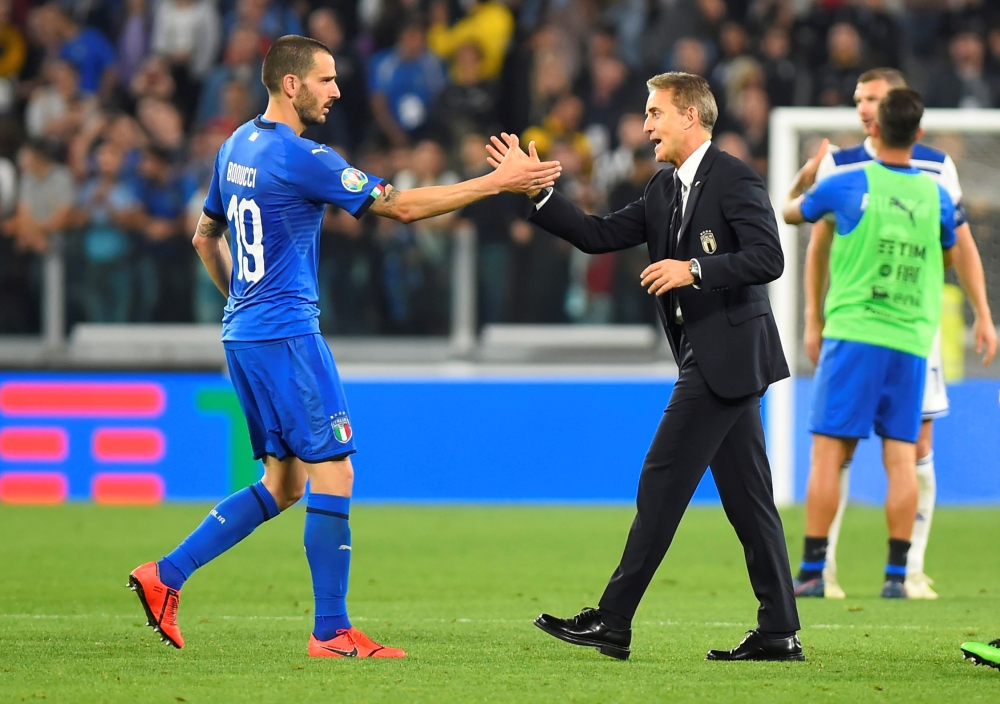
{"x":588,"y":629}
{"x":756,"y":647}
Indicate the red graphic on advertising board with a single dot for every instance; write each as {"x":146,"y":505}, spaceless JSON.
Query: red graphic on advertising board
{"x":33,"y":487}
{"x":82,"y":399}
{"x":131,"y":445}
{"x":27,"y":444}
{"x":133,"y":488}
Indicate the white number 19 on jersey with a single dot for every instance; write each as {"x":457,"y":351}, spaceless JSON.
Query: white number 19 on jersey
{"x":247,"y":248}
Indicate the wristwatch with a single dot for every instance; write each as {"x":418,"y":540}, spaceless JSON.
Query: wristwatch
{"x":695,"y":268}
{"x":542,"y":195}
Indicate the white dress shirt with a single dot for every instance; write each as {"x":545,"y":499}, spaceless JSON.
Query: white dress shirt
{"x":687,"y":171}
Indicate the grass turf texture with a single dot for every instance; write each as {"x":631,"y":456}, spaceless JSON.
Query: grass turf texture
{"x":457,"y":587}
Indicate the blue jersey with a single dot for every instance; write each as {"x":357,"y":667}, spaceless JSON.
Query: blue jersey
{"x":271,"y":187}
{"x":933,"y":162}
{"x":845,"y":195}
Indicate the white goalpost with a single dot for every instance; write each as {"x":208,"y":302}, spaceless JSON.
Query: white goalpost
{"x":788,"y":127}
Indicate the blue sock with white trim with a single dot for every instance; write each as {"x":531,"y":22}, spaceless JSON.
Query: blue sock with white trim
{"x":813,"y":559}
{"x":328,"y":550}
{"x":227,"y":524}
{"x":895,"y":568}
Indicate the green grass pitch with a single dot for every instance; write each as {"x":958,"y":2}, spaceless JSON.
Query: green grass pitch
{"x":457,"y":587}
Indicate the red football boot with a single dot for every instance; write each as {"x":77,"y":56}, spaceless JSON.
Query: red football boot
{"x":351,"y":643}
{"x":159,"y":601}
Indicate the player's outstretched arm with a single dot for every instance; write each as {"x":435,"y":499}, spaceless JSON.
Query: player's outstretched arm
{"x":969,"y":269}
{"x":804,"y":179}
{"x":516,"y":174}
{"x":214,"y":251}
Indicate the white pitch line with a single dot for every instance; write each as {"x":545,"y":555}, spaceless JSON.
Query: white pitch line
{"x":683,"y":624}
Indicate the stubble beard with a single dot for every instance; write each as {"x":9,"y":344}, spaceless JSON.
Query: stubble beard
{"x":308,"y":109}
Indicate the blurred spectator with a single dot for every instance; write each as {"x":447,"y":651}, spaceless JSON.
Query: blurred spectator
{"x":539,"y":275}
{"x":86,"y":48}
{"x":47,"y":195}
{"x":880,"y":33}
{"x":348,"y":118}
{"x":58,"y":111}
{"x":673,"y":20}
{"x":13,"y":51}
{"x":612,"y":91}
{"x":418,"y":262}
{"x":837,"y":79}
{"x":241,"y":65}
{"x":733,"y":143}
{"x":164,"y":125}
{"x":166,"y":261}
{"x":186,"y":32}
{"x":631,"y":302}
{"x":153,"y":79}
{"x":106,"y":205}
{"x":404,"y":82}
{"x":689,"y":55}
{"x":733,"y":44}
{"x":993,"y":53}
{"x":614,"y":166}
{"x":562,"y":124}
{"x":468,"y":104}
{"x":779,"y":71}
{"x":753,"y":111}
{"x":964,"y":83}
{"x":270,"y":18}
{"x":133,"y":39}
{"x":348,"y":268}
{"x":207,"y":305}
{"x":491,"y":218}
{"x":488,"y":25}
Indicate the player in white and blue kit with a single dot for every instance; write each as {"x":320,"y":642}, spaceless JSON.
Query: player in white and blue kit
{"x":872,"y":87}
{"x":270,"y":190}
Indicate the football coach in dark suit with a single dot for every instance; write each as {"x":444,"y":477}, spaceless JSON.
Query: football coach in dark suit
{"x":713,"y":240}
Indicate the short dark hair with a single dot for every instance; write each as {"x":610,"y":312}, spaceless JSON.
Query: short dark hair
{"x":893,"y":77}
{"x":899,"y":115}
{"x":290,"y":54}
{"x":46,"y":149}
{"x":161,"y":154}
{"x":689,"y":90}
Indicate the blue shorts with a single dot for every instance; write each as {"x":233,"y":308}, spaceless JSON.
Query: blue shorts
{"x":292,"y":398}
{"x":858,"y":385}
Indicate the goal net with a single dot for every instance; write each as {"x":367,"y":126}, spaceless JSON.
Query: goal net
{"x":971,"y":138}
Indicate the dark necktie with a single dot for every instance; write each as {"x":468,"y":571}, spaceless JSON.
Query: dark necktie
{"x":677,"y":214}
{"x":676,"y":217}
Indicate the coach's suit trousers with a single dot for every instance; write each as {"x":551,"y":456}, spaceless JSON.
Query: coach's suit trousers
{"x":699,"y":429}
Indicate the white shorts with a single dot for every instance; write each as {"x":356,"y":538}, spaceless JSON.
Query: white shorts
{"x":935,"y":393}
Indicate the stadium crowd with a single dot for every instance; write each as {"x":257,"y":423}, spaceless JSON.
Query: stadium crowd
{"x":112,"y":111}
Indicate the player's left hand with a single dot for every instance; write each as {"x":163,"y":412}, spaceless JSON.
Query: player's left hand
{"x":666,"y":274}
{"x":986,"y":339}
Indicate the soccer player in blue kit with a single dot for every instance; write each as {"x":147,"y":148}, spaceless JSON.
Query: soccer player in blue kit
{"x":270,"y":189}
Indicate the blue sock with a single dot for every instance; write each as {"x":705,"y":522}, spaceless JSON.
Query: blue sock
{"x":227,"y":524}
{"x":328,"y":549}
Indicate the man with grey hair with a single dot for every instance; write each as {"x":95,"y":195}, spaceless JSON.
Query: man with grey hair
{"x":713,"y":242}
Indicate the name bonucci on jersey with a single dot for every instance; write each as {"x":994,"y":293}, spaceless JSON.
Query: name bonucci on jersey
{"x":241,"y":175}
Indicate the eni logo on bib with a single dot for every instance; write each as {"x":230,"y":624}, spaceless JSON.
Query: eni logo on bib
{"x":353,"y":180}
{"x":707,"y":241}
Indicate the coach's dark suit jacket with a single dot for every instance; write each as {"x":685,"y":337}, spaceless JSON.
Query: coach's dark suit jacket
{"x":729,"y":227}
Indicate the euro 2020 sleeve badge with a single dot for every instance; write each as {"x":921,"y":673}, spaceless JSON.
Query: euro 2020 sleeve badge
{"x":707,"y":241}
